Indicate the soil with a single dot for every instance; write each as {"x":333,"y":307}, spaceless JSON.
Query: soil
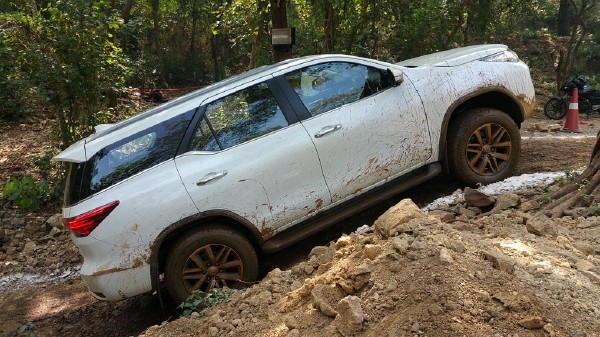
{"x":431,"y":280}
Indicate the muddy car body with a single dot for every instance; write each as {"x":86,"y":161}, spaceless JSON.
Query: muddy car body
{"x":194,"y":188}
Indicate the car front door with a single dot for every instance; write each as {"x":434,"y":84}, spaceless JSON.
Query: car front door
{"x":248,"y":158}
{"x":366,"y":128}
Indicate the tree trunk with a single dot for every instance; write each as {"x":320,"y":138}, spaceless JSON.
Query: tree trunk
{"x":258,"y":34}
{"x":582,"y":193}
{"x":279,"y":20}
{"x":155,"y":24}
{"x":328,"y":28}
{"x":562,"y":28}
{"x":215,"y":56}
{"x":194,"y":28}
{"x":126,"y":10}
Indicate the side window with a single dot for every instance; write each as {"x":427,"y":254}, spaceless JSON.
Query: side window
{"x":327,"y":86}
{"x":133,"y":154}
{"x":237,"y":118}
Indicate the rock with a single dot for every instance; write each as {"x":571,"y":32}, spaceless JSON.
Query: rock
{"x":529,"y":205}
{"x":29,"y":248}
{"x":593,"y":277}
{"x":401,"y":244}
{"x":584,"y":265}
{"x":343,"y":242}
{"x":325,"y":299}
{"x":466,"y":212}
{"x":541,"y":225}
{"x":55,"y":221}
{"x":585,"y":247}
{"x":442,"y":215}
{"x":350,"y":316}
{"x":445,"y":257}
{"x":514,"y":302}
{"x":261,"y":299}
{"x":457,"y":246}
{"x":415,"y":327}
{"x":478,"y":199}
{"x":506,"y":201}
{"x":372,"y":251}
{"x":17,"y":221}
{"x":532,"y":322}
{"x":213,"y":331}
{"x":55,"y":231}
{"x":293,"y":333}
{"x":391,"y":222}
{"x":554,"y":127}
{"x":500,"y":261}
{"x":323,"y":254}
{"x":435,"y":309}
{"x":2,"y":234}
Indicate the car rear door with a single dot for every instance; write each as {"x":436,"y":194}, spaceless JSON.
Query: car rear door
{"x":365,"y":129}
{"x":249,"y":158}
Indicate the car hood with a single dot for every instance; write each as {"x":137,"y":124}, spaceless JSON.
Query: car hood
{"x":454,"y":57}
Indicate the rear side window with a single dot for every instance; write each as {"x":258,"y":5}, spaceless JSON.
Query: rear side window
{"x":237,"y":118}
{"x":125,"y":158}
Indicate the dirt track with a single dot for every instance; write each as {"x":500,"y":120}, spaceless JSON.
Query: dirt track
{"x":65,"y":308}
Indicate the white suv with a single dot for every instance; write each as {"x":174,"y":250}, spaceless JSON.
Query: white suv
{"x":195,"y":188}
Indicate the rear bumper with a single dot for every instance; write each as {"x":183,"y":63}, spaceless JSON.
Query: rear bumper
{"x":115,"y":285}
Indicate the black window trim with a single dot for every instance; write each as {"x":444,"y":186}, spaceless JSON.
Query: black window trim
{"x":295,"y":101}
{"x":281,"y":99}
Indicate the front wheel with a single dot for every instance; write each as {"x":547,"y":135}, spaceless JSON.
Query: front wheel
{"x":555,"y":108}
{"x":209,"y":257}
{"x":484,"y":146}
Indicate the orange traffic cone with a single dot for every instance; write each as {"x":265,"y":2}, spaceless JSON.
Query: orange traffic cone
{"x":572,"y":121}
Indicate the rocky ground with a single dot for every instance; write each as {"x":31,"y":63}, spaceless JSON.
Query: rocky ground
{"x":452,"y":272}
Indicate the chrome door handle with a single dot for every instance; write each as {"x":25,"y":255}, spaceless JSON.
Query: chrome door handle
{"x":211,"y":176}
{"x":327,"y":129}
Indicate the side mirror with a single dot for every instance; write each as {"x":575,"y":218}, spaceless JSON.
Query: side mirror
{"x":396,"y":75}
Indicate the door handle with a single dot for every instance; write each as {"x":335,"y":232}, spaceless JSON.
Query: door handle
{"x":327,"y":129}
{"x":211,"y":176}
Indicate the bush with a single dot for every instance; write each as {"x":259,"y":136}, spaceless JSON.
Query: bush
{"x":26,"y":193}
{"x":200,"y":300}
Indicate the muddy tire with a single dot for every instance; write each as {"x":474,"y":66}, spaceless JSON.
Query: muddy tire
{"x":213,"y":256}
{"x":484,"y":146}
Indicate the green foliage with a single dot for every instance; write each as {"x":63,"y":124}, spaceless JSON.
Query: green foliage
{"x":26,"y":193}
{"x":546,"y":200}
{"x":595,"y":210}
{"x":587,"y":199}
{"x":67,"y":54}
{"x":571,"y":175}
{"x":200,"y":300}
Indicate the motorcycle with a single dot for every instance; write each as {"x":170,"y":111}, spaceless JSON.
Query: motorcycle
{"x":589,"y":99}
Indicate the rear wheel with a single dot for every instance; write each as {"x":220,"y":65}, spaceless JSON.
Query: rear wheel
{"x":555,"y":108}
{"x":210,"y":257}
{"x":484,"y":146}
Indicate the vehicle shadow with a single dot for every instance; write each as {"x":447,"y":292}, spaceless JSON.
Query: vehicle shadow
{"x":422,"y":195}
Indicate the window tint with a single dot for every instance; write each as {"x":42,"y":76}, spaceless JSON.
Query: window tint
{"x":237,"y":118}
{"x":326,"y":86}
{"x":125,"y":158}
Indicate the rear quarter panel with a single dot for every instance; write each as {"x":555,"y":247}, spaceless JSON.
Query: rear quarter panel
{"x":441,"y":88}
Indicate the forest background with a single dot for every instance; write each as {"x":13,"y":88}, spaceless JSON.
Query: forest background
{"x":77,"y":61}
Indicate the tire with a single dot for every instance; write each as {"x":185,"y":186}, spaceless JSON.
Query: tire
{"x":214,"y":246}
{"x":585,"y":106}
{"x":555,"y":108}
{"x":484,"y":146}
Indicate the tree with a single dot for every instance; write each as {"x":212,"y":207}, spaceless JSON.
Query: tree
{"x":584,"y":21}
{"x":65,"y":52}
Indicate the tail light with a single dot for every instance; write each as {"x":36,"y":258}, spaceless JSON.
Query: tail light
{"x":84,"y":224}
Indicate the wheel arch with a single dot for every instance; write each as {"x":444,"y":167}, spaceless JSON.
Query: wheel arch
{"x":496,"y":98}
{"x":166,"y":239}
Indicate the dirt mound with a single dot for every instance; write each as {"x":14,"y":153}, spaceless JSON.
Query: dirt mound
{"x":452,"y":272}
